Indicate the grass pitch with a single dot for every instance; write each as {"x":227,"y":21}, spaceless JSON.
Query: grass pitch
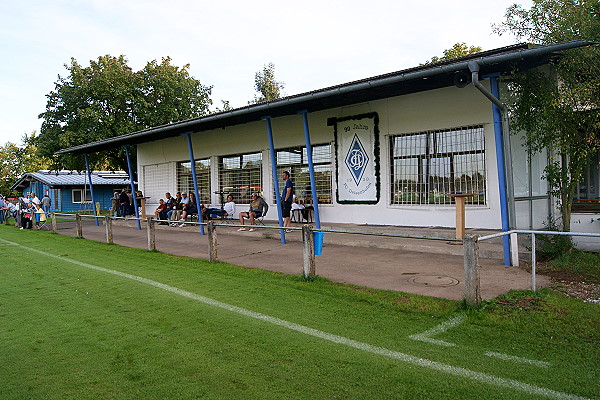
{"x":68,"y":331}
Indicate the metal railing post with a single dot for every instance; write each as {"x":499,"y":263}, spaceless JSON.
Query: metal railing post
{"x":533,"y":262}
{"x":472,"y":284}
{"x":308,"y":251}
{"x":514,"y":249}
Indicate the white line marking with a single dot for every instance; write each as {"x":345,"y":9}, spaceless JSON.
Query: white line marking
{"x":407,"y":358}
{"x":443,"y":327}
{"x":516,"y":359}
{"x":459,"y":319}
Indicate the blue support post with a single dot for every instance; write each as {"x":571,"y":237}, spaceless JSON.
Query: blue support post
{"x":275,"y":180}
{"x":501,"y":170}
{"x":311,"y":169}
{"x":135,"y":209}
{"x":89,"y":175}
{"x":195,"y":179}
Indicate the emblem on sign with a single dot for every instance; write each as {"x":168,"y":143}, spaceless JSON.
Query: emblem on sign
{"x":356,"y":159}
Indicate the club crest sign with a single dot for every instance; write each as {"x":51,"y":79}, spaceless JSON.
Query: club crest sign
{"x":357,"y":158}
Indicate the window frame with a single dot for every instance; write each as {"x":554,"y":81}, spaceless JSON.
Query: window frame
{"x":202,"y":176}
{"x":88,"y":194}
{"x":443,"y":145}
{"x":247,"y":171}
{"x":324,"y":193}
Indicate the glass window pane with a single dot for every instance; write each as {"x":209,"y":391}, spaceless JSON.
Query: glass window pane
{"x":428,"y":166}
{"x":185,"y":180}
{"x":241,"y":175}
{"x":295,"y":161}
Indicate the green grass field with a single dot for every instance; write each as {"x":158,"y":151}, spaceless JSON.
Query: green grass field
{"x":148,"y":325}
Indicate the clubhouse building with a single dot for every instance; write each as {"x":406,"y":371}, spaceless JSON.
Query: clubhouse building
{"x":393,"y":149}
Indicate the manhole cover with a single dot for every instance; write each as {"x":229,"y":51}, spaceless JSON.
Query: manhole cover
{"x":433,"y":280}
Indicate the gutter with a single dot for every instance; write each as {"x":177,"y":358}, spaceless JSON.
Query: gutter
{"x":265,"y":108}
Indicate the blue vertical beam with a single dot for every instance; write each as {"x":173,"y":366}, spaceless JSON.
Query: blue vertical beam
{"x":195,"y":179}
{"x":501,"y":170}
{"x":135,"y":209}
{"x":311,"y":169}
{"x":275,"y":180}
{"x":89,"y":175}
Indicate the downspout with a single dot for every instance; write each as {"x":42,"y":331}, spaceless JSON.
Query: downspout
{"x":503,"y":155}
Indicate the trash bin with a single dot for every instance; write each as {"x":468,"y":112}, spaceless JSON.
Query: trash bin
{"x":318,"y":238}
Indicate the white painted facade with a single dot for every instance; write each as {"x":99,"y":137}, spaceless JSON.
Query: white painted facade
{"x":438,"y":109}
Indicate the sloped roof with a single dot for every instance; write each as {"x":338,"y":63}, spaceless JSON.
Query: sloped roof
{"x":55,"y":179}
{"x":412,"y":80}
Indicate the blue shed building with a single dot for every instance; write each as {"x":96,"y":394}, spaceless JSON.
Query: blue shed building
{"x":70,"y":190}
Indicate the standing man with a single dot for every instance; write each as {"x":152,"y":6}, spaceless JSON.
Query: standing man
{"x":124,"y":203}
{"x":286,"y":199}
{"x":46,"y":202}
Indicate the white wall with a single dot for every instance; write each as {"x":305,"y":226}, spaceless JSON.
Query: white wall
{"x":437,"y":109}
{"x":586,"y":223}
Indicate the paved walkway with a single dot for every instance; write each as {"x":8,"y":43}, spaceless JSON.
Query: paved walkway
{"x":434,"y":269}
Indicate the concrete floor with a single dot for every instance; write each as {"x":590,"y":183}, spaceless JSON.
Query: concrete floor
{"x":426,"y":267}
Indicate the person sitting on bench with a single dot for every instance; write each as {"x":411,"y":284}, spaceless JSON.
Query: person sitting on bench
{"x":258,"y":208}
{"x":188,"y":209}
{"x":227,"y":210}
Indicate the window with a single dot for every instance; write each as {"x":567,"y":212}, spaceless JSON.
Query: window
{"x":157,"y":181}
{"x":587,"y":197}
{"x":294,"y":160}
{"x":185,"y":180}
{"x":241,"y":175}
{"x":427,"y":166}
{"x":78,"y":196}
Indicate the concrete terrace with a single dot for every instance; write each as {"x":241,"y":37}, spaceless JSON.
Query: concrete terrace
{"x":427,"y":267}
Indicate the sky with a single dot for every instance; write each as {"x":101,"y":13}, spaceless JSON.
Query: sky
{"x":313,"y":43}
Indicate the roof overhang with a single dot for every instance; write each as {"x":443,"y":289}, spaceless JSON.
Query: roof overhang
{"x":422,"y":78}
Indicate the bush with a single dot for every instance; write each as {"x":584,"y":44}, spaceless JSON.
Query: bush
{"x":549,"y":247}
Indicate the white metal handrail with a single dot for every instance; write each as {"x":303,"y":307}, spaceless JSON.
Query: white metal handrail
{"x":533,"y":249}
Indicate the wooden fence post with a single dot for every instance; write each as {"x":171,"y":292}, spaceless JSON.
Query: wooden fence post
{"x":472,"y":287}
{"x":79,"y":226}
{"x":151,"y":234}
{"x":212,"y":242}
{"x":308,"y":250}
{"x":53,"y":220}
{"x":109,"y":231}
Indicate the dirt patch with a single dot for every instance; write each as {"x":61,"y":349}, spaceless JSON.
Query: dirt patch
{"x":403,"y":299}
{"x":586,"y":291}
{"x":571,"y":284}
{"x":524,"y":303}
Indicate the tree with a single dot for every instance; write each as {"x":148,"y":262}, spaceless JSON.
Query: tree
{"x":458,"y":50}
{"x":16,"y":160}
{"x":266,"y":85}
{"x":109,"y":99}
{"x":558,"y":109}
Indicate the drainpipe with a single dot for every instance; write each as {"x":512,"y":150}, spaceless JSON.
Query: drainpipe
{"x":503,"y":155}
